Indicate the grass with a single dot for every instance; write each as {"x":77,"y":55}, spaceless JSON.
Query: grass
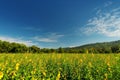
{"x":60,"y":66}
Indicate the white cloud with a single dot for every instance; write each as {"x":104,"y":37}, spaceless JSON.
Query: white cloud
{"x":72,"y":46}
{"x":55,"y":36}
{"x":17,"y":40}
{"x":106,"y":23}
{"x":52,"y":37}
{"x":44,"y":39}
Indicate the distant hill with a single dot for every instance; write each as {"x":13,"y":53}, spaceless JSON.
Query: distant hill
{"x":98,"y":45}
{"x":103,"y":47}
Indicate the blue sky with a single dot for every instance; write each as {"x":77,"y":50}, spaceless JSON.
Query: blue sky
{"x":59,"y":23}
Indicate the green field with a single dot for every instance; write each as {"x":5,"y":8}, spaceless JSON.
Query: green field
{"x":59,"y":66}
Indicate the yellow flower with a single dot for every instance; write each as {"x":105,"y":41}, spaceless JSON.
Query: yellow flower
{"x":92,"y":55}
{"x":58,"y":76}
{"x":81,"y":60}
{"x":1,"y":75}
{"x":33,"y":72}
{"x":3,"y":67}
{"x":48,"y":79}
{"x":109,"y":69}
{"x":44,"y":73}
{"x":105,"y":75}
{"x":26,"y":57}
{"x":30,"y":60}
{"x":105,"y":79}
{"x":84,"y":56}
{"x":17,"y":66}
{"x":33,"y":78}
{"x":90,"y":64}
{"x":108,"y":64}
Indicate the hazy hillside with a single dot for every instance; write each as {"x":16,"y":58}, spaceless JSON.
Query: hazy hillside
{"x":102,"y":44}
{"x":98,"y":45}
{"x":106,"y":47}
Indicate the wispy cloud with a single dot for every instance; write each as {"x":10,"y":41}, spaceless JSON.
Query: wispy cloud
{"x":108,"y":4}
{"x":106,"y":23}
{"x":32,"y":29}
{"x":17,"y":40}
{"x":105,"y":5}
{"x":72,"y":46}
{"x":44,"y":39}
{"x":53,"y":37}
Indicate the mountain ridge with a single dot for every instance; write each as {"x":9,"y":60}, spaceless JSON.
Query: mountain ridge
{"x":110,"y":43}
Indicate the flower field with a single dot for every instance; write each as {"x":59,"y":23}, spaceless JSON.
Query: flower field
{"x":59,"y":66}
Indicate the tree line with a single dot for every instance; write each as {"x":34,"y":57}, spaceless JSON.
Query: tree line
{"x":106,"y":47}
{"x":7,"y":47}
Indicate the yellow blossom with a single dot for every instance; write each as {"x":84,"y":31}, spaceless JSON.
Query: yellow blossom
{"x":44,"y":73}
{"x":109,"y":69}
{"x":58,"y":76}
{"x":84,"y":56}
{"x":33,"y":72}
{"x":3,"y":67}
{"x":26,"y":57}
{"x":92,"y":55}
{"x":105,"y":79}
{"x":81,"y":60}
{"x":1,"y":75}
{"x":33,"y":78}
{"x":105,"y":75}
{"x":90,"y":64}
{"x":17,"y":66}
{"x":30,"y":60}
{"x":108,"y":64}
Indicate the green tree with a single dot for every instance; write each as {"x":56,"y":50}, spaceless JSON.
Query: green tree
{"x":34,"y":49}
{"x":115,"y":49}
{"x":60,"y":50}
